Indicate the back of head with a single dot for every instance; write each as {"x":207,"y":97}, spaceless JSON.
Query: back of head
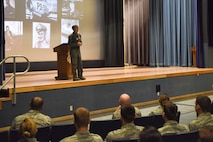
{"x":81,"y":117}
{"x":206,"y":134}
{"x":204,"y":102}
{"x":36,"y":103}
{"x":128,"y":113}
{"x":150,"y":134}
{"x":163,"y":98}
{"x":170,"y":110}
{"x":124,"y":99}
{"x":28,"y":128}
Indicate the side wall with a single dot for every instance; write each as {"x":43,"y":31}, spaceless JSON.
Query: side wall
{"x":57,"y":102}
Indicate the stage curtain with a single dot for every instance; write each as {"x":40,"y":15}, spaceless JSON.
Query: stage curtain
{"x":136,"y":18}
{"x":172,"y":32}
{"x":210,"y":22}
{"x":113,"y":44}
{"x":199,"y":27}
{"x":2,"y":52}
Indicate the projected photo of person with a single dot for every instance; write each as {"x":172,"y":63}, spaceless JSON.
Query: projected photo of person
{"x":72,"y":8}
{"x":66,"y":28}
{"x":41,"y":35}
{"x":13,"y":35}
{"x":9,"y":8}
{"x":41,"y":9}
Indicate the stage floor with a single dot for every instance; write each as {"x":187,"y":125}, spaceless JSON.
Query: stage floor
{"x":45,"y":80}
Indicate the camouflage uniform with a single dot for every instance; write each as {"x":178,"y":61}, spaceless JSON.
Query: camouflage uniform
{"x":204,"y":119}
{"x":39,"y":118}
{"x":172,"y":127}
{"x":127,"y":131}
{"x":83,"y":137}
{"x":157,"y":111}
{"x":117,"y":113}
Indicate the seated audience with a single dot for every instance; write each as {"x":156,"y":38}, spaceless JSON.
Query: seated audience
{"x":124,"y":100}
{"x":34,"y":113}
{"x":162,"y":99}
{"x":204,"y":117}
{"x":150,"y":134}
{"x":171,"y":126}
{"x":28,"y":131}
{"x":128,"y":130}
{"x":81,"y":121}
{"x":206,"y":134}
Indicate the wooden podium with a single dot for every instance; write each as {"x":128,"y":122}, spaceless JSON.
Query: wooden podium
{"x":63,"y":62}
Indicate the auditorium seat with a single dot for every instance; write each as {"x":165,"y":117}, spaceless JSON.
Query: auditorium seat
{"x":44,"y":134}
{"x":182,"y":137}
{"x":14,"y":135}
{"x":61,"y":131}
{"x":103,"y":127}
{"x":143,"y":121}
{"x":125,"y":140}
{"x":4,"y":137}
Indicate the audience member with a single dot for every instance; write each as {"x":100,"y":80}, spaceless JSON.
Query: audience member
{"x":124,"y":100}
{"x":206,"y":134}
{"x":34,"y":113}
{"x":171,"y":126}
{"x":204,"y":117}
{"x":28,"y":131}
{"x":81,"y":121}
{"x":162,"y":99}
{"x":150,"y":134}
{"x":128,"y":130}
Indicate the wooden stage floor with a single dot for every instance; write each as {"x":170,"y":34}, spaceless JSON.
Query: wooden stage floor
{"x":45,"y":80}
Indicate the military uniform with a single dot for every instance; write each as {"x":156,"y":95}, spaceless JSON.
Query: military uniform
{"x":83,"y":137}
{"x":75,"y":53}
{"x":171,"y":127}
{"x":117,"y":113}
{"x":39,"y":118}
{"x":127,"y":131}
{"x":157,"y":111}
{"x":204,"y":119}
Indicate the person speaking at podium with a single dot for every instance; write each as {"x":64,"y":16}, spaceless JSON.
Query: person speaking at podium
{"x":74,"y":41}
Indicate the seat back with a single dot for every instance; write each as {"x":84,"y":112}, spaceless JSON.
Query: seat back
{"x":4,"y":136}
{"x":103,"y":127}
{"x":182,"y":137}
{"x":44,"y":134}
{"x":143,"y":121}
{"x":61,"y":131}
{"x":125,"y":140}
{"x":157,"y":121}
{"x":14,"y":135}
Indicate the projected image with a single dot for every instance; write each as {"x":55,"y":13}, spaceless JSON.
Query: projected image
{"x":41,"y":9}
{"x":66,"y":28}
{"x":13,"y":35}
{"x":9,"y":8}
{"x":41,"y":35}
{"x":72,"y":8}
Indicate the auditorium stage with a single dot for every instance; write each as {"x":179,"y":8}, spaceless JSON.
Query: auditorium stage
{"x":102,"y":88}
{"x":45,"y":80}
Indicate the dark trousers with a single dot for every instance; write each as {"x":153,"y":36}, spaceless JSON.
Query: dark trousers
{"x":76,"y":63}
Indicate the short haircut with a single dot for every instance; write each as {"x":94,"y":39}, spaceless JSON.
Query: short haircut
{"x":206,"y":134}
{"x":204,"y":102}
{"x":150,"y":134}
{"x":81,"y":117}
{"x":74,"y":26}
{"x":36,"y":103}
{"x":170,"y":110}
{"x":163,"y":98}
{"x":128,"y":113}
{"x":28,"y":128}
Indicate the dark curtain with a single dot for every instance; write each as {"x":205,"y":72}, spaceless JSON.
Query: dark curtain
{"x":199,"y":34}
{"x":2,"y":53}
{"x":137,"y":32}
{"x":113,"y":44}
{"x":210,"y":22}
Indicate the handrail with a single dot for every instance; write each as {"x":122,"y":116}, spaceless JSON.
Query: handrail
{"x":13,"y":76}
